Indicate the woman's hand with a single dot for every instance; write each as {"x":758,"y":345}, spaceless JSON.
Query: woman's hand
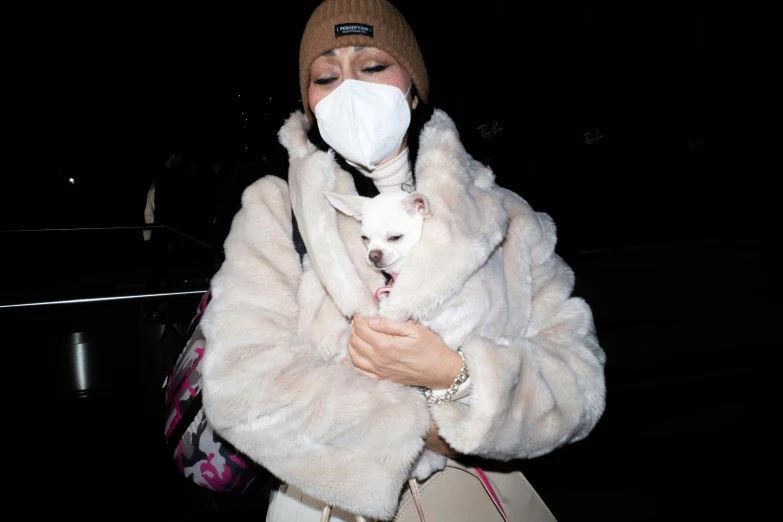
{"x":407,"y":353}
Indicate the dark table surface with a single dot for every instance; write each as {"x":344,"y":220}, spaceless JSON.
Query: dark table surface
{"x":63,"y":266}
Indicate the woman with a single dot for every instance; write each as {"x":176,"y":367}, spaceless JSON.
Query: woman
{"x":275,"y":384}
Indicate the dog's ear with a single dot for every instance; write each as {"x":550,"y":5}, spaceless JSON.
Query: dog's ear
{"x":417,"y":202}
{"x":348,"y":205}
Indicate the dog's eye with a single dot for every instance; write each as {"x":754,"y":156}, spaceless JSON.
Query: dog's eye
{"x":395,"y":238}
{"x":364,"y":238}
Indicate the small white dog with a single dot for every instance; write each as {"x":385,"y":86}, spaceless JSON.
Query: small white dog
{"x":391,"y":226}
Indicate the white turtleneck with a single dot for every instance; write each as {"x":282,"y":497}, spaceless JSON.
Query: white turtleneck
{"x":390,"y":176}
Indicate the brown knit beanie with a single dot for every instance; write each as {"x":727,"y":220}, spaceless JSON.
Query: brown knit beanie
{"x":371,"y":23}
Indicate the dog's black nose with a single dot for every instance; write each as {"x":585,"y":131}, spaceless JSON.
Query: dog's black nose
{"x":375,"y":256}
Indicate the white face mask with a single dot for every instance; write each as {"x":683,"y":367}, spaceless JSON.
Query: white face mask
{"x":364,"y":122}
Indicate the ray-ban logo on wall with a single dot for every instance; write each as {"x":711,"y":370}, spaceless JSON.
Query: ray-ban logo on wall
{"x":487,"y":131}
{"x":591,"y":138}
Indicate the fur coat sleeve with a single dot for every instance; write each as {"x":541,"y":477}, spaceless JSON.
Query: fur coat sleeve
{"x":315,"y":423}
{"x":537,"y":371}
{"x":543,"y":387}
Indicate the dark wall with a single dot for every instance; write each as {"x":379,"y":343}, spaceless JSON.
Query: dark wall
{"x":621,"y":124}
{"x":629,"y":126}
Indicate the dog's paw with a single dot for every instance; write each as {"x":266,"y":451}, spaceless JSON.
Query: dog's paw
{"x":366,"y":308}
{"x":390,"y":309}
{"x":428,"y":463}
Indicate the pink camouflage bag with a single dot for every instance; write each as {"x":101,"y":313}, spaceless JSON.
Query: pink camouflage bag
{"x":200,"y":454}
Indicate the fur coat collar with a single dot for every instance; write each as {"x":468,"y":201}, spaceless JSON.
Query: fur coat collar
{"x":471,"y":221}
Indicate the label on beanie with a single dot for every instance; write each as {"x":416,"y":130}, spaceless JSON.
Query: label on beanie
{"x":346,"y":29}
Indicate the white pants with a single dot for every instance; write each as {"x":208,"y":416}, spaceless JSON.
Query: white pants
{"x":289,"y":504}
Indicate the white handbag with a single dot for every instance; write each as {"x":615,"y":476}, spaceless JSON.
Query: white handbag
{"x":458,"y":493}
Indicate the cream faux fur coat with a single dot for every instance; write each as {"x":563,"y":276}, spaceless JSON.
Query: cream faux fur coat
{"x":275,"y":331}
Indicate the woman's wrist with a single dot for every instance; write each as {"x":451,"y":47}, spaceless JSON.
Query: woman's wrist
{"x":449,"y":371}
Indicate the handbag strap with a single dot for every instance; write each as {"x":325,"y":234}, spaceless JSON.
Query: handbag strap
{"x":488,"y":486}
{"x":301,"y":249}
{"x":326,"y":514}
{"x":414,"y":485}
{"x":484,"y":482}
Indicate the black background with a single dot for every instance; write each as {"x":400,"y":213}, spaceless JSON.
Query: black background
{"x":116,"y":91}
{"x":667,"y":218}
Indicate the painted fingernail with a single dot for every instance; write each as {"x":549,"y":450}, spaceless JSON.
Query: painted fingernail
{"x":375,"y":320}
